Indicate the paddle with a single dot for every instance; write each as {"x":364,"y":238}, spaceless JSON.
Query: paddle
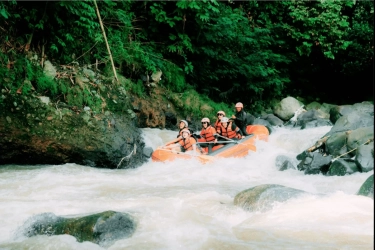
{"x":219,"y":142}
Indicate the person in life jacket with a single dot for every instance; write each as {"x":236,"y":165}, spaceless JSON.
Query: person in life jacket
{"x":208,"y":135}
{"x":185,"y":144}
{"x":229,"y":130}
{"x":241,"y":118}
{"x":182,"y":125}
{"x":220,"y":114}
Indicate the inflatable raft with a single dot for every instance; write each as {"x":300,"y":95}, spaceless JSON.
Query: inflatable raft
{"x":222,"y":149}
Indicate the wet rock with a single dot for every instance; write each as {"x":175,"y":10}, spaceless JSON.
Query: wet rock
{"x":316,"y":123}
{"x":82,"y":139}
{"x":336,"y":144}
{"x":342,"y":167}
{"x":103,"y":228}
{"x":337,"y":112}
{"x":367,"y":188}
{"x":351,"y":122}
{"x":264,"y":197}
{"x":147,"y":151}
{"x":313,"y":105}
{"x":365,"y":157}
{"x":315,"y":163}
{"x":286,"y":108}
{"x":358,"y":137}
{"x":273,"y":120}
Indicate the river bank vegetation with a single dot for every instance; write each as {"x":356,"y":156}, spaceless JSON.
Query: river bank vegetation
{"x":253,"y":51}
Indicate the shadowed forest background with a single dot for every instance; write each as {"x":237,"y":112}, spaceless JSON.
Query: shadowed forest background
{"x":253,"y":51}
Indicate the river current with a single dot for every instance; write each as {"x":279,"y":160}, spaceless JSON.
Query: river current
{"x":189,"y":205}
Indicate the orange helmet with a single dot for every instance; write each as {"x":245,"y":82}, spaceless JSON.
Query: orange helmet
{"x":239,"y":105}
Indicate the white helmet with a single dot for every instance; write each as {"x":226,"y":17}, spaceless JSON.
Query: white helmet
{"x":239,"y":105}
{"x":224,"y":119}
{"x":221,"y":112}
{"x":185,"y":122}
{"x":185,"y":130}
{"x":205,"y":120}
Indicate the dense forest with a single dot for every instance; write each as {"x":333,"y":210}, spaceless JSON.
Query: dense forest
{"x":254,"y":51}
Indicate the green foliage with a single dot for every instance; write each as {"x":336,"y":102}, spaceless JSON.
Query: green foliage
{"x":191,"y":103}
{"x":319,"y":24}
{"x":75,"y":97}
{"x":174,"y":78}
{"x":46,"y":83}
{"x":249,"y":51}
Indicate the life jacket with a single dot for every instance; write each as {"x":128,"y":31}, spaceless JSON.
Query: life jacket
{"x":217,"y":125}
{"x":228,"y":132}
{"x":208,"y":133}
{"x":188,"y":143}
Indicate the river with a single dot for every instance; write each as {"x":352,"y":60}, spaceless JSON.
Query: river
{"x":188,"y":205}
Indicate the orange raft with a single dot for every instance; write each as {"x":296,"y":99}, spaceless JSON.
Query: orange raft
{"x":239,"y":148}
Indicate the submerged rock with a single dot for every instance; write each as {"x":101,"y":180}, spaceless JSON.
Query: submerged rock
{"x":263,"y":197}
{"x":103,"y":228}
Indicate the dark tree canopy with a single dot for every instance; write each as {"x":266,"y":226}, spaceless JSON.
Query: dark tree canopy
{"x":249,"y":51}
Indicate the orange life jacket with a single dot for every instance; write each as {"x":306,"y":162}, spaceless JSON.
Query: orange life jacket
{"x":188,"y":143}
{"x":217,"y":125}
{"x":208,"y":133}
{"x":228,"y":132}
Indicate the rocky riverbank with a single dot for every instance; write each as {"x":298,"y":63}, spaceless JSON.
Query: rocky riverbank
{"x":33,"y":130}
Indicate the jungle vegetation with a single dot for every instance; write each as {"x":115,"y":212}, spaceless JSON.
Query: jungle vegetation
{"x":250,"y":51}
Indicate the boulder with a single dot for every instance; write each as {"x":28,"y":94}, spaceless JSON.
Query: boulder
{"x":273,"y":120}
{"x":342,"y":167}
{"x":264,"y":197}
{"x":364,"y":157}
{"x":286,"y":108}
{"x":49,"y":70}
{"x":367,"y":188}
{"x":366,"y":108}
{"x":336,"y":144}
{"x":147,"y":152}
{"x":103,"y":228}
{"x":315,"y":163}
{"x":351,"y":121}
{"x":359,"y":137}
{"x":48,"y":134}
{"x":313,"y":118}
{"x":313,"y":105}
{"x":316,"y":123}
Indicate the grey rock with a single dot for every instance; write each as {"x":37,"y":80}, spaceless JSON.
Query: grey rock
{"x":367,"y":188}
